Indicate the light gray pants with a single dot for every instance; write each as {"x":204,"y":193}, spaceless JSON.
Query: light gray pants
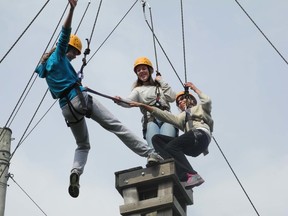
{"x":108,"y":121}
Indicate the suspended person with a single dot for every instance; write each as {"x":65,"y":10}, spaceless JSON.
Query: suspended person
{"x":75,"y":103}
{"x":196,"y":122}
{"x":155,"y":93}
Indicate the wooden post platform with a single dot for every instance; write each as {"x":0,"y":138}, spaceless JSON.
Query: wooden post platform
{"x":153,"y":191}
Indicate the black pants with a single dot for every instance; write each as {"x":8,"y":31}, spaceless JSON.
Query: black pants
{"x":192,"y":143}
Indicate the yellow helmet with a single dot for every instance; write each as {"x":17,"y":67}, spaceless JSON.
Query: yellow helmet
{"x":75,"y":42}
{"x":143,"y":61}
{"x":190,"y":96}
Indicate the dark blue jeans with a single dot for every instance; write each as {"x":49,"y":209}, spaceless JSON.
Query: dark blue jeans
{"x":192,"y":143}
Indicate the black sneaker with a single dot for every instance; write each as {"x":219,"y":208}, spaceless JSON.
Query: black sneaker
{"x":74,"y":185}
{"x":153,"y":159}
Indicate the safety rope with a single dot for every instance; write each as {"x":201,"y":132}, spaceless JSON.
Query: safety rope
{"x":160,"y":45}
{"x":157,"y":90}
{"x":183,"y":40}
{"x":87,"y":50}
{"x":82,"y":18}
{"x":186,"y":90}
{"x":112,"y":31}
{"x":30,"y":83}
{"x":144,"y":3}
{"x":186,"y":93}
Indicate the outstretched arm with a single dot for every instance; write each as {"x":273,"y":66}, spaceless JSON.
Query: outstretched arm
{"x":145,"y":106}
{"x":68,"y":21}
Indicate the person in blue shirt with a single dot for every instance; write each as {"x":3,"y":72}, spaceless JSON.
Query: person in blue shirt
{"x":76,"y":104}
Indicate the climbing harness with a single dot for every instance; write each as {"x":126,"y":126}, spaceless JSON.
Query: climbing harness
{"x":157,"y":93}
{"x":151,"y":118}
{"x":86,"y":106}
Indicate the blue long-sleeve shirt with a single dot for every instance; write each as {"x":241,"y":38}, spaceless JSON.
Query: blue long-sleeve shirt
{"x":58,"y":71}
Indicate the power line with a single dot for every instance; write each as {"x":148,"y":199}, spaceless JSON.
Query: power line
{"x":30,"y":82}
{"x":22,"y":99}
{"x":38,"y":122}
{"x":82,"y":17}
{"x":160,"y":45}
{"x":235,"y":176}
{"x":20,"y":141}
{"x":262,"y":32}
{"x":183,"y":40}
{"x":24,"y":32}
{"x":12,"y":177}
{"x":112,"y":31}
{"x":144,"y":3}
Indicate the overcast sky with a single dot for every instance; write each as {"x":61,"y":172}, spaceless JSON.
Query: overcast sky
{"x":226,"y":57}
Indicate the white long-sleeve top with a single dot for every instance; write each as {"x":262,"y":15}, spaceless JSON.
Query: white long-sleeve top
{"x":147,"y":94}
{"x":201,"y":116}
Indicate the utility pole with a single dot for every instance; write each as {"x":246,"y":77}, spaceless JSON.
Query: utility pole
{"x":5,"y":144}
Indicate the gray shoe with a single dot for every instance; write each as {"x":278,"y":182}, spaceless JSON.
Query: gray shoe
{"x":74,"y":184}
{"x":193,"y":181}
{"x":153,"y":159}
